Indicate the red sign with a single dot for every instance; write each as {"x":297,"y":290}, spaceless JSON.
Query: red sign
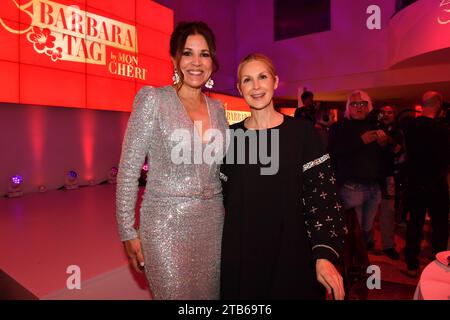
{"x":85,"y":54}
{"x":236,"y":108}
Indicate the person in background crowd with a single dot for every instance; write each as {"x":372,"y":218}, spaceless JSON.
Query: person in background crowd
{"x":308,"y":110}
{"x":427,"y":147}
{"x":356,"y":147}
{"x":324,"y":119}
{"x":390,"y":156}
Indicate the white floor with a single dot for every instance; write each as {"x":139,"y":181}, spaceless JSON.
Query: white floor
{"x":42,"y":234}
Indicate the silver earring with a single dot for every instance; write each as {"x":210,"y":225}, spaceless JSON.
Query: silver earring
{"x":210,"y":83}
{"x":176,"y":77}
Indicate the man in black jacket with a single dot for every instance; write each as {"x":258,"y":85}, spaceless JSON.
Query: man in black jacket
{"x":308,"y":110}
{"x":355,"y":147}
{"x":427,"y":149}
{"x":390,"y":157}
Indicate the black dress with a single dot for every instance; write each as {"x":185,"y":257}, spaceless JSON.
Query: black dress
{"x":277,"y":225}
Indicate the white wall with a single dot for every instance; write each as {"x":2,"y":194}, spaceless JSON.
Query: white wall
{"x":348,"y":48}
{"x":351,"y":56}
{"x":43,"y":143}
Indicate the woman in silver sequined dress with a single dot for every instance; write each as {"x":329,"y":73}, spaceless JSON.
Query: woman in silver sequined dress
{"x":180,"y":130}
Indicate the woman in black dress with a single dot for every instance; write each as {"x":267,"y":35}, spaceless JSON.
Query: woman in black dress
{"x":284,"y":225}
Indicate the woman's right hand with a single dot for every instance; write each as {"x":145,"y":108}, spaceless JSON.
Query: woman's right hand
{"x":133,"y":250}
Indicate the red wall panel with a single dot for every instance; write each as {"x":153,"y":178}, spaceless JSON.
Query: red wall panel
{"x":83,"y":54}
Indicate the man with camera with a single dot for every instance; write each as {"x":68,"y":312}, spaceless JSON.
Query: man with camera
{"x":389,"y":158}
{"x":427,"y":149}
{"x":355,"y":146}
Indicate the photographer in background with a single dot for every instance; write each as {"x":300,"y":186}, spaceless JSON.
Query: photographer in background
{"x":324,"y":118}
{"x":308,"y":110}
{"x":389,"y":164}
{"x":427,"y":148}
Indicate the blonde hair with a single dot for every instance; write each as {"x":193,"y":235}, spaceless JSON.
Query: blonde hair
{"x":256,"y":57}
{"x":364,"y":96}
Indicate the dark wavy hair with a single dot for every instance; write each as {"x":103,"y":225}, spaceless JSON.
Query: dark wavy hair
{"x":179,"y":36}
{"x":305,"y":95}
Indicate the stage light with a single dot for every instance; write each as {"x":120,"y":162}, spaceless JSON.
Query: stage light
{"x":15,"y":187}
{"x":72,"y":174}
{"x":16,"y":180}
{"x":71,"y":180}
{"x":42,"y":188}
{"x":112,"y":175}
{"x":92,"y":182}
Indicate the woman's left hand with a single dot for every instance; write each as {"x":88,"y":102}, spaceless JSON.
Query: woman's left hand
{"x":330,"y":278}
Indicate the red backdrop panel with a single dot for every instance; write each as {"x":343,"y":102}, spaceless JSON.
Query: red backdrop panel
{"x":83,"y":54}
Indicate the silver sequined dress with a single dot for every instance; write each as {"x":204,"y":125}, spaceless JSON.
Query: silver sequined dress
{"x":181,"y":215}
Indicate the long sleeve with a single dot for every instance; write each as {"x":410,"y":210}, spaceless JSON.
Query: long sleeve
{"x":324,"y":213}
{"x":343,"y":146}
{"x":134,"y":149}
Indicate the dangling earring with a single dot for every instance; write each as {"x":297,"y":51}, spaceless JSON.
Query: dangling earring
{"x":210,"y":83}
{"x":176,"y":77}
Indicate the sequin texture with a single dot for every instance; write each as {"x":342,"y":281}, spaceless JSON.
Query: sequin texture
{"x":181,"y":214}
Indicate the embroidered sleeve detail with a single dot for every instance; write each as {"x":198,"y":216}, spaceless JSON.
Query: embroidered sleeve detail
{"x":316,"y":162}
{"x":223,"y":177}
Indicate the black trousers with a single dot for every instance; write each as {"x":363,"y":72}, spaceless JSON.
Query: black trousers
{"x":435,"y":198}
